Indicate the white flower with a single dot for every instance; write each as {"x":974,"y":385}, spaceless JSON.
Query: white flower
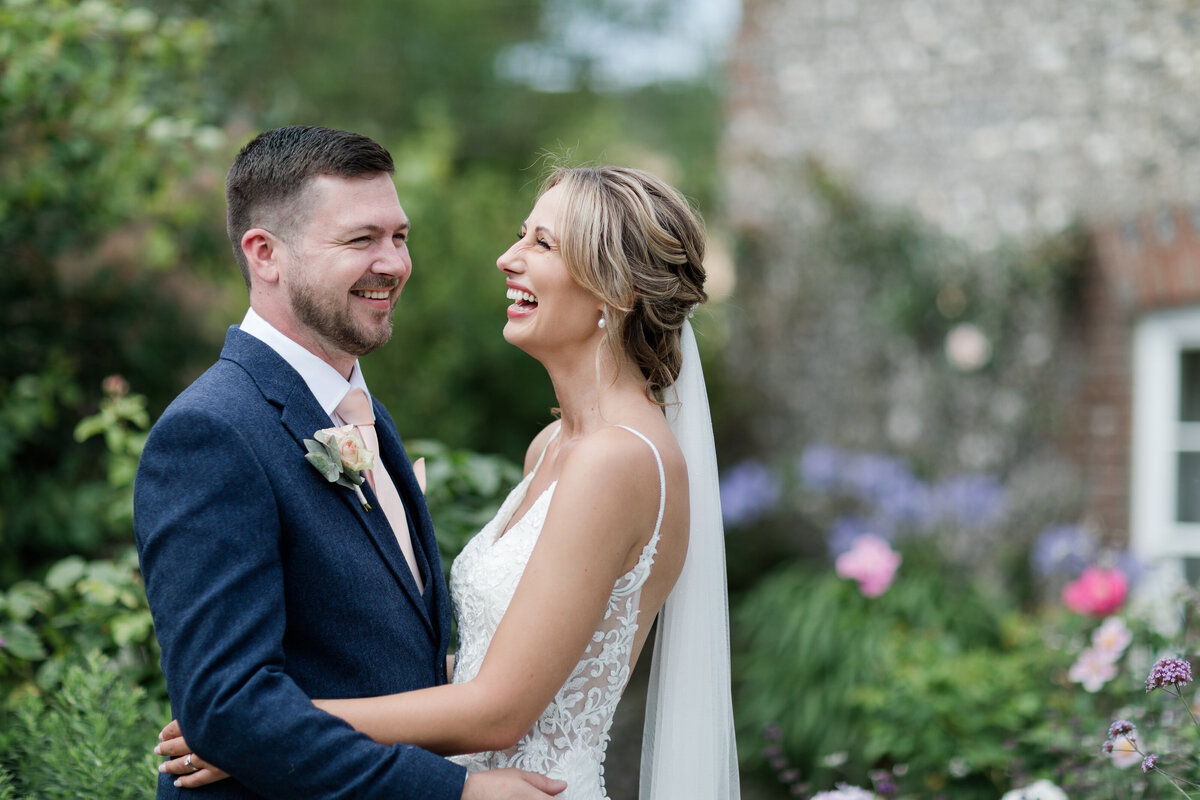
{"x":1124,"y":754}
{"x":1038,"y":790}
{"x":845,"y":792}
{"x":967,"y":347}
{"x":1092,"y":669}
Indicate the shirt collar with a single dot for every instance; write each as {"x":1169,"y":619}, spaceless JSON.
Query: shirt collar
{"x":325,"y":382}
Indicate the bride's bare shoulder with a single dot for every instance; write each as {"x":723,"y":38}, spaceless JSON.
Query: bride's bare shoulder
{"x":617,"y":454}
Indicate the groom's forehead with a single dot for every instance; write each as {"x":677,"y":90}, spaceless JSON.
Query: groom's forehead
{"x":367,"y":203}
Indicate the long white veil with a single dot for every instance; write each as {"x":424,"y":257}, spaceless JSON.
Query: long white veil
{"x":688,"y":747}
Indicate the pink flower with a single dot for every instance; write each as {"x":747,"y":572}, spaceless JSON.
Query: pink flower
{"x":1097,"y":592}
{"x":871,"y":562}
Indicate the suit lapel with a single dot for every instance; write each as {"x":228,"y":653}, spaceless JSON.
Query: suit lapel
{"x":303,"y":416}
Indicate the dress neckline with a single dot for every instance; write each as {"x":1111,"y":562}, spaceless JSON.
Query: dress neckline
{"x":510,"y":522}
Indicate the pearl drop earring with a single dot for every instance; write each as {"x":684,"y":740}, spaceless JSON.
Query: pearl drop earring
{"x":600,"y":324}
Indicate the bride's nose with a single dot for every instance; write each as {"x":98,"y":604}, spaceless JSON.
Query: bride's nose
{"x":509,"y":261}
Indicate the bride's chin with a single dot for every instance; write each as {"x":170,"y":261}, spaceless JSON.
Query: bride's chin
{"x":514,"y":335}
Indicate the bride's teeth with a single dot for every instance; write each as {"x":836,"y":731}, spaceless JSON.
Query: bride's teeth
{"x":520,"y":296}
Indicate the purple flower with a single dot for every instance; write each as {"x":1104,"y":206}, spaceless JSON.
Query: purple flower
{"x":1121,"y":727}
{"x":1062,"y":550}
{"x":820,"y":467}
{"x":749,"y":490}
{"x":1149,"y":762}
{"x":873,"y":476}
{"x":1107,"y":747}
{"x":972,"y":501}
{"x":903,"y":502}
{"x":1169,"y":672}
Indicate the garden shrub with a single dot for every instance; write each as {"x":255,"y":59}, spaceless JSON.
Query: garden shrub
{"x":90,"y":738}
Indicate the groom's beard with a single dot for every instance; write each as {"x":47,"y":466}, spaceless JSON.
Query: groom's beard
{"x":336,"y":322}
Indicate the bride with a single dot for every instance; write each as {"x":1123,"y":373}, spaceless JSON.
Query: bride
{"x":616,"y":522}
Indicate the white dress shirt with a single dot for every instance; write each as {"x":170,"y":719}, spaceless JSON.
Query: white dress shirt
{"x":325,"y":382}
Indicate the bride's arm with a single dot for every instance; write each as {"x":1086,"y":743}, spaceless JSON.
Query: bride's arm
{"x":604,"y":505}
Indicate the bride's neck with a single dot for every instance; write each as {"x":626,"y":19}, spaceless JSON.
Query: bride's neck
{"x":591,"y":397}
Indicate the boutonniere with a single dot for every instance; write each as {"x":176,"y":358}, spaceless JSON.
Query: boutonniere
{"x":341,"y":457}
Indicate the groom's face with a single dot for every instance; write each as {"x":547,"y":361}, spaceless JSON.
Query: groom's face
{"x":347,"y":261}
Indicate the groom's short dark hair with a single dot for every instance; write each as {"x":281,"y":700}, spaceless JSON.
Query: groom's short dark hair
{"x":270,"y":173}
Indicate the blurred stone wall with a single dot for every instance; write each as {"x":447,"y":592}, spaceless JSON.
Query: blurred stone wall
{"x":995,"y":123}
{"x":989,"y":118}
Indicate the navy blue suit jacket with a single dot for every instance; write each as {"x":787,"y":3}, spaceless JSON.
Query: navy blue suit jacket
{"x":269,"y":586}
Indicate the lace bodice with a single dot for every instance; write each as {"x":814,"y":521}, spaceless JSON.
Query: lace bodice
{"x":569,"y":739}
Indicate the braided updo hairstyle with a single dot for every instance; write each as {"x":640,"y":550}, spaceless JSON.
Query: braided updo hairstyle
{"x":637,"y":244}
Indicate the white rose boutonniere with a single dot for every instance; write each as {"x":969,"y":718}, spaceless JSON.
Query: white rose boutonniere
{"x":340,"y":455}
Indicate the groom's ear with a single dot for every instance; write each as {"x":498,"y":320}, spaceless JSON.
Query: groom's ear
{"x":263,"y":251}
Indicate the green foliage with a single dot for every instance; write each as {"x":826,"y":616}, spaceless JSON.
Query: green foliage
{"x":79,"y":606}
{"x":935,"y":677}
{"x":464,"y":490}
{"x":99,"y":131}
{"x":88,"y":739}
{"x":94,"y":510}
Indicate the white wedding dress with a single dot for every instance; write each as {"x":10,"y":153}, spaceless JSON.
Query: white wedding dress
{"x":569,"y":740}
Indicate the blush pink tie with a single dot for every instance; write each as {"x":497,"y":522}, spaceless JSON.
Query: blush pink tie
{"x":355,"y":409}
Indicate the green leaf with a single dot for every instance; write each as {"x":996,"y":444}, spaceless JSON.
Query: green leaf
{"x":26,"y":598}
{"x":324,"y":466}
{"x":22,"y":642}
{"x":99,"y":591}
{"x":65,"y":573}
{"x":132,"y":627}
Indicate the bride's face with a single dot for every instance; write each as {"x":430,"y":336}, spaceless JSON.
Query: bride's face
{"x":549,"y":310}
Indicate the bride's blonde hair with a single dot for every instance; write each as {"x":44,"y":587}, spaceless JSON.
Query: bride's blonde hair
{"x":637,"y":244}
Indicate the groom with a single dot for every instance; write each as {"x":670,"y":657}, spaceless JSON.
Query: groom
{"x":268,"y":583}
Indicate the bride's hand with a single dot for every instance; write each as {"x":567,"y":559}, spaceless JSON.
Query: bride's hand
{"x":193,"y":771}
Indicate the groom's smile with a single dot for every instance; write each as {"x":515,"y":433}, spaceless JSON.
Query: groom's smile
{"x":348,"y":265}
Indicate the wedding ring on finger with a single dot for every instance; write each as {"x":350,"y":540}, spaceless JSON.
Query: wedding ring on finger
{"x":187,"y":762}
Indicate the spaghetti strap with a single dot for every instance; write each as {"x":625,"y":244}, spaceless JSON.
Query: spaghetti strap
{"x":549,"y":442}
{"x":652,"y":545}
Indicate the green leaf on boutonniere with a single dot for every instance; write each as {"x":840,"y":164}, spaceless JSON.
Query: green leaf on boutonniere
{"x":340,"y":457}
{"x":328,"y":469}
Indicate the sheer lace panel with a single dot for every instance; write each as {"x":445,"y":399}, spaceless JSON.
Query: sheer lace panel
{"x":570,"y":738}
